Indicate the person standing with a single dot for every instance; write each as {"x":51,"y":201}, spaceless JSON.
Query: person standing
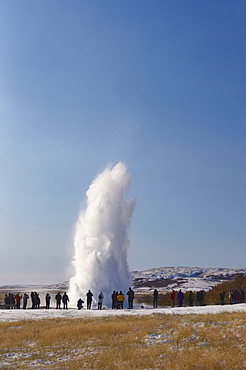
{"x":198,"y":298}
{"x":100,"y":301}
{"x":191,"y":298}
{"x":38,"y":300}
{"x":65,"y":300}
{"x":155,"y":298}
{"x":202,"y":297}
{"x":47,"y":301}
{"x":231,"y":296}
{"x":120,"y":299}
{"x":18,"y":300}
{"x":180,"y":297}
{"x":172,"y":297}
{"x":113,"y":297}
{"x":11,"y":300}
{"x":25,"y":298}
{"x":32,"y":299}
{"x":7,"y":301}
{"x":89,"y":296}
{"x":35,"y":300}
{"x":222,"y":298}
{"x":58,"y":299}
{"x":131,"y":297}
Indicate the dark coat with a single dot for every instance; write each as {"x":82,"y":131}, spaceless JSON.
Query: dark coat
{"x":89,"y":296}
{"x":65,"y":298}
{"x":130,"y":294}
{"x":180,"y":296}
{"x":58,"y":297}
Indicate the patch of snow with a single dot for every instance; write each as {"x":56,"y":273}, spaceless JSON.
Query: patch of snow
{"x":186,"y":278}
{"x":18,"y":315}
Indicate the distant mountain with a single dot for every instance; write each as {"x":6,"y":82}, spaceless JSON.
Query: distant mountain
{"x":162,"y":278}
{"x":39,"y":288}
{"x":185,"y":278}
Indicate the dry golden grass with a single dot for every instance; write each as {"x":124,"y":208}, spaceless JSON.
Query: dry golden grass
{"x":146,"y":342}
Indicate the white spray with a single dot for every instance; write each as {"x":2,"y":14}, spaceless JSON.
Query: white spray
{"x":101,"y":240}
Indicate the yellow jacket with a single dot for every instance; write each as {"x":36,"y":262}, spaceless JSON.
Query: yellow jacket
{"x":120,"y":297}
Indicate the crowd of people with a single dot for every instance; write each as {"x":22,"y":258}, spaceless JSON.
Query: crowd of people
{"x":118,"y":298}
{"x":14,"y":300}
{"x":180,"y":298}
{"x":235,"y":296}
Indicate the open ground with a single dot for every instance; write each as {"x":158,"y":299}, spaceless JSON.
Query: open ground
{"x":154,"y":340}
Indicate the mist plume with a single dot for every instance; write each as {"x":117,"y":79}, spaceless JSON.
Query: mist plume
{"x":101,"y":240}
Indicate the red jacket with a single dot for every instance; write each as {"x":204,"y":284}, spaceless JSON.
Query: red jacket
{"x":18,"y":298}
{"x":172,"y":295}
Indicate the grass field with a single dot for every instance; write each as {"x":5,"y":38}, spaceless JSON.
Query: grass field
{"x":141,"y":342}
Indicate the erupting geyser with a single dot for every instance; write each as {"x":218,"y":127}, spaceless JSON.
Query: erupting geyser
{"x":101,"y":240}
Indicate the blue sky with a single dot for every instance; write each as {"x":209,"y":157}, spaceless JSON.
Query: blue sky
{"x":159,"y":85}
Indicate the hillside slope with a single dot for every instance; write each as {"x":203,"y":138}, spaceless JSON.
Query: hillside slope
{"x":162,"y":278}
{"x":185,"y":278}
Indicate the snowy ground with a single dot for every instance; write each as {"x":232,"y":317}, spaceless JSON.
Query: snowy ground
{"x":17,"y":315}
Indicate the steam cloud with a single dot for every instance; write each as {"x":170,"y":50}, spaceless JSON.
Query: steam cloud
{"x":101,"y":241}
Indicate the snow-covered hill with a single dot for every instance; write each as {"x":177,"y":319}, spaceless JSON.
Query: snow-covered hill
{"x":162,"y":278}
{"x":186,"y":278}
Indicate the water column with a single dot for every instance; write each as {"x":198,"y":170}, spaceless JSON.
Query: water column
{"x":101,"y":240}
